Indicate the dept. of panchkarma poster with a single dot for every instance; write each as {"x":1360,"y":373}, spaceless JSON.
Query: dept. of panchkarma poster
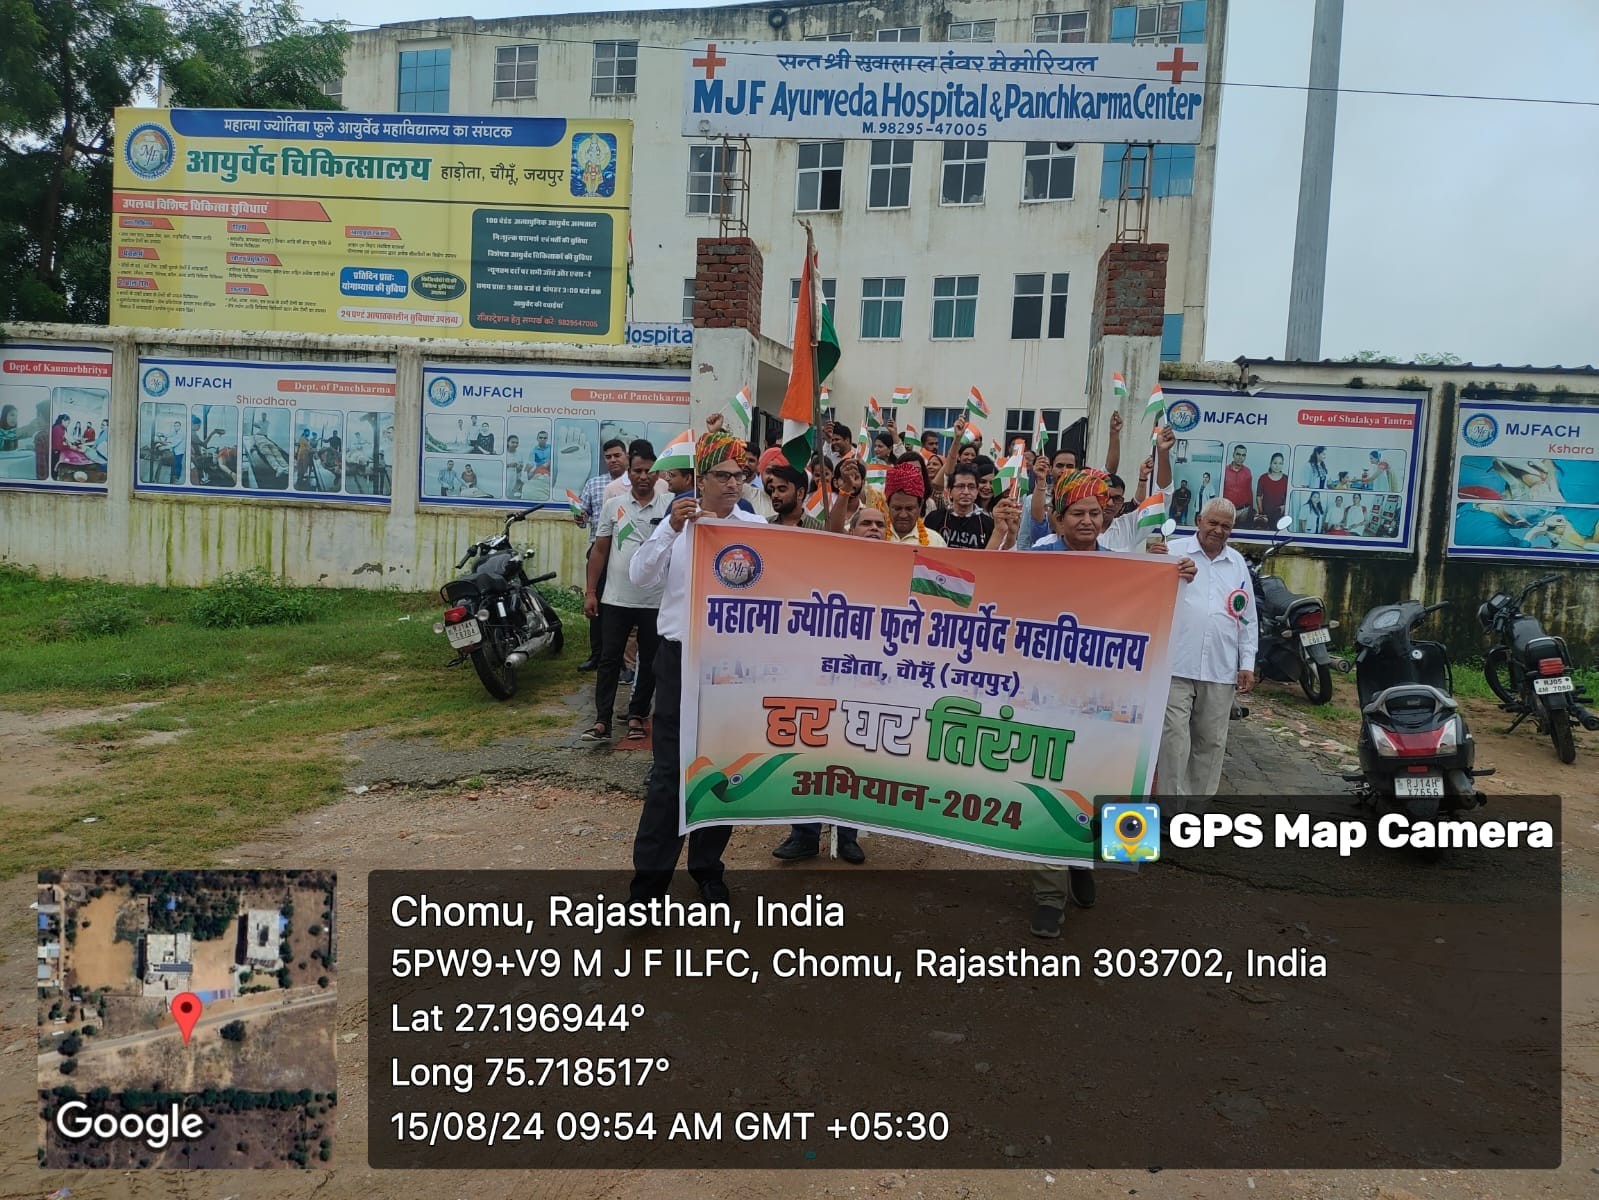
{"x":968,"y":698}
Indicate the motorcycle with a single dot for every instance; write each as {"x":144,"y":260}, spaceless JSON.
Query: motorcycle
{"x":497,"y":617}
{"x":1293,"y":630}
{"x":1530,"y":670}
{"x":1416,"y":754}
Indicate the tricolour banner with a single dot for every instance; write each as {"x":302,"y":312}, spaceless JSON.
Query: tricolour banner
{"x":961,"y":697}
{"x":1526,"y":482}
{"x":322,"y":222}
{"x":927,"y":92}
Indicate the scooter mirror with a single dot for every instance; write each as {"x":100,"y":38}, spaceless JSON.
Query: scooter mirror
{"x":1284,"y":524}
{"x":1168,"y":527}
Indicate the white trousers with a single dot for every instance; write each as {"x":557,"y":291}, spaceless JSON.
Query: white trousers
{"x":1193,"y":741}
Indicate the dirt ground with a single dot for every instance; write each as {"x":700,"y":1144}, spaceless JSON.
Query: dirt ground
{"x":97,"y":959}
{"x":576,"y":808}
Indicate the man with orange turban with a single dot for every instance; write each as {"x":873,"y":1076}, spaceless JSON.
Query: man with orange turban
{"x":663,"y":559}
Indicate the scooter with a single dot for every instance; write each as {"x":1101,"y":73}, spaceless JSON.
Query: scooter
{"x":1530,"y":670}
{"x":1416,"y":754}
{"x":1293,"y":630}
{"x":497,"y":617}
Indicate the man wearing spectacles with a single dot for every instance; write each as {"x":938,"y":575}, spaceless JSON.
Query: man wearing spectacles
{"x":963,"y":525}
{"x":663,"y":561}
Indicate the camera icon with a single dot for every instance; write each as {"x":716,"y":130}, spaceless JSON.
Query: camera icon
{"x":1129,"y":833}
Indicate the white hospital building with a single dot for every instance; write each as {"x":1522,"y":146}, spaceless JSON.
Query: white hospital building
{"x":946,"y":264}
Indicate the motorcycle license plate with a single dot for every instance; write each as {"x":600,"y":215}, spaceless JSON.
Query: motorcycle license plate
{"x":1314,"y":637}
{"x":1406,"y":786}
{"x":464,"y":635}
{"x":1560,"y":683}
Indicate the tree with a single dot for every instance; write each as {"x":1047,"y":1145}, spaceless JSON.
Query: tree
{"x":66,"y":65}
{"x":1426,"y":359}
{"x":233,"y":1031}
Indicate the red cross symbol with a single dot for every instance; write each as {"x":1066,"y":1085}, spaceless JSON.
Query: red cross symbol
{"x":711,"y":61}
{"x":1176,"y":64}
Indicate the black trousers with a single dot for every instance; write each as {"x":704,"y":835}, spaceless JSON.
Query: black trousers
{"x":657,"y":844}
{"x":596,"y":646}
{"x":615,"y":624}
{"x":813,"y":833}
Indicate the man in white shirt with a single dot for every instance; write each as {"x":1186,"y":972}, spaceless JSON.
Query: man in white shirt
{"x":663,"y":561}
{"x":1213,"y":643}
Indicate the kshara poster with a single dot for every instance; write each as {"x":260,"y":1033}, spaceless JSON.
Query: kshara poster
{"x":1340,"y":462}
{"x":55,"y":416}
{"x":286,"y":430}
{"x":1526,"y":483}
{"x":431,"y":224}
{"x":498,"y":435}
{"x":961,"y":697}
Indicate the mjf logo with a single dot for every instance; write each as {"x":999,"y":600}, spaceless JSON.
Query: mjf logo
{"x":156,"y":382}
{"x":441,"y":392}
{"x":1480,"y":430}
{"x":1183,"y":415}
{"x":1129,"y":833}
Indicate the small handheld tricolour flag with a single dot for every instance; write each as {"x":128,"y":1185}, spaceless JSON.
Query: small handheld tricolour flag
{"x":1118,"y":385}
{"x":874,"y":413}
{"x":929,"y":577}
{"x":971,"y":434}
{"x":743,"y":409}
{"x":1152,"y":512}
{"x":677,"y":455}
{"x":1040,"y":434}
{"x":876,"y":474}
{"x":624,"y":527}
{"x":909,"y":436}
{"x":1008,"y":477}
{"x":902,"y":395}
{"x":813,"y":504}
{"x":574,"y":502}
{"x":863,"y":439}
{"x":1157,"y":404}
{"x":976,"y":405}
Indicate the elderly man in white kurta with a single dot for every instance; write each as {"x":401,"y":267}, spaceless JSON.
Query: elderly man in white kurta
{"x":1214,"y":636}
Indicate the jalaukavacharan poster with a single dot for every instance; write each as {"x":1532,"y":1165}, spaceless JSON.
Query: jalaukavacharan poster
{"x":968,"y":698}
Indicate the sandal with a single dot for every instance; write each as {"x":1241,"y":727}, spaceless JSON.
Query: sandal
{"x":596,"y":733}
{"x":635,"y":729}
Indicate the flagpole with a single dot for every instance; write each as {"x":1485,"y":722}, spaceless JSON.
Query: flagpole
{"x":816,"y":382}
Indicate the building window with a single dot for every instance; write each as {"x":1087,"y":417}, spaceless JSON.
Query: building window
{"x":516,"y":73}
{"x":913,"y":34}
{"x":829,"y":294}
{"x":971,"y":31}
{"x":954,"y":307}
{"x":1171,"y":338}
{"x":829,"y":37}
{"x":1048,"y":172}
{"x":890,"y":414}
{"x":1020,"y":423}
{"x":424,"y":81}
{"x":1158,"y":24}
{"x":706,"y":167}
{"x":1170,"y":174}
{"x":688,"y":301}
{"x":334,"y":91}
{"x":1061,"y":27}
{"x":615,"y":68}
{"x":890,"y":181}
{"x":941,"y":421}
{"x":819,"y":186}
{"x":882,"y":308}
{"x":1028,"y":307}
{"x":965,"y":167}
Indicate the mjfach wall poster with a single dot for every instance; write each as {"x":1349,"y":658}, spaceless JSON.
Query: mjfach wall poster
{"x":499,"y":436}
{"x":952,"y":696}
{"x":1526,"y":482}
{"x":285,"y":430}
{"x":1339,"y":462}
{"x":55,"y":414}
{"x":434,"y":224}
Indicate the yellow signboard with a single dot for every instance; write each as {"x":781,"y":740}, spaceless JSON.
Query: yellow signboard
{"x":423,"y":224}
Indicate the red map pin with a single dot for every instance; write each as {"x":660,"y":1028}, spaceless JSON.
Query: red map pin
{"x":186,"y":1008}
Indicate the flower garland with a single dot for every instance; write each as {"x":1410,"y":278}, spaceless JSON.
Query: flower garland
{"x":921,"y":531}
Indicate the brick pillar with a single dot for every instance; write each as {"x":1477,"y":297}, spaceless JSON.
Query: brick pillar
{"x":1129,"y":311}
{"x":727,"y":327}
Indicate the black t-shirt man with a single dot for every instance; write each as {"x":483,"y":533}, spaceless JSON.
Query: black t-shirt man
{"x":963,"y":525}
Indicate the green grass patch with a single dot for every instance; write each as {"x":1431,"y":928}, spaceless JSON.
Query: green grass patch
{"x":262,"y":708}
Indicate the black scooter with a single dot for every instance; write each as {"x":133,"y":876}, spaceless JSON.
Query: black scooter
{"x":1530,"y":670}
{"x":497,"y":617}
{"x":1416,"y":754}
{"x":1293,"y":630}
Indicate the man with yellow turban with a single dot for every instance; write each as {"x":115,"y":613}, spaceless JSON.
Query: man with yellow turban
{"x":664,"y":559}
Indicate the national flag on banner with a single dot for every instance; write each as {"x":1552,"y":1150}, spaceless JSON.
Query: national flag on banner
{"x":874,"y":413}
{"x":876,"y":474}
{"x":623,"y":526}
{"x":1152,"y":512}
{"x":815,"y":355}
{"x":902,"y":395}
{"x":1118,"y":385}
{"x":929,"y":577}
{"x":744,"y":409}
{"x":1157,"y":404}
{"x":574,"y":502}
{"x":976,"y":405}
{"x":677,"y":454}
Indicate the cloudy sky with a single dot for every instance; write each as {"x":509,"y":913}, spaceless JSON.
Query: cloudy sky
{"x":1458,"y":225}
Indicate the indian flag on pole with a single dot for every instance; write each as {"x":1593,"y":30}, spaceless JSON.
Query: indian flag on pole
{"x":1040,"y":434}
{"x":976,"y":405}
{"x":909,"y":436}
{"x":1118,"y":385}
{"x":874,"y":413}
{"x":902,"y":395}
{"x":971,"y":434}
{"x":816,"y":353}
{"x":929,"y":577}
{"x":863,"y":439}
{"x":1010,"y":469}
{"x":574,"y":502}
{"x":1152,"y":512}
{"x":744,"y":410}
{"x":1157,"y":404}
{"x":677,"y":455}
{"x":876,"y":474}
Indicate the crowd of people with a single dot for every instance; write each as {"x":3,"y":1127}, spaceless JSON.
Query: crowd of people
{"x":637,"y":594}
